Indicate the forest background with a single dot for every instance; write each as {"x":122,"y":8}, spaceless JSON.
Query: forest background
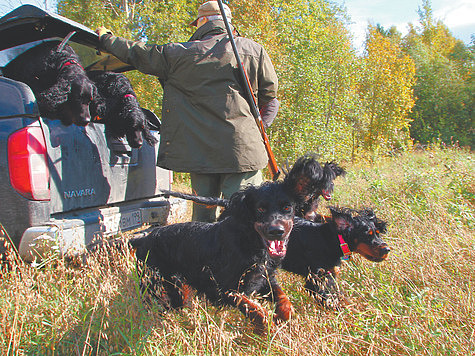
{"x":401,"y":91}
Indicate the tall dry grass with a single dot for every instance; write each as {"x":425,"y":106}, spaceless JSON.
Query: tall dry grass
{"x":419,"y":302}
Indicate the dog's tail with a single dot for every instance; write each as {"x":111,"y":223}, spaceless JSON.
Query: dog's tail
{"x":208,"y":201}
{"x":119,"y":244}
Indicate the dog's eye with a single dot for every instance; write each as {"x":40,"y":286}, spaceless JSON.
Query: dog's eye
{"x":287,"y":208}
{"x":377,"y":231}
{"x":370,"y":232}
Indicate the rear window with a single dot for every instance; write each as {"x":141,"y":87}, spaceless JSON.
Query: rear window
{"x":90,"y":57}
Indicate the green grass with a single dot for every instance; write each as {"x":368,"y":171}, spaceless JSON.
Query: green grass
{"x":418,"y":302}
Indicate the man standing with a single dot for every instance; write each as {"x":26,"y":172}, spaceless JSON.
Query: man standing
{"x":207,"y":125}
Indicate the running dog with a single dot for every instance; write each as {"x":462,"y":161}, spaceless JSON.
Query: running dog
{"x":230,"y":261}
{"x":315,"y":250}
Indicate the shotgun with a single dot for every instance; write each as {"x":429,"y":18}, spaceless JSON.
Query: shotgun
{"x":251,"y":99}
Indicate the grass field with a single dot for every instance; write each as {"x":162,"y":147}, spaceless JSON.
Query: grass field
{"x":421,"y":301}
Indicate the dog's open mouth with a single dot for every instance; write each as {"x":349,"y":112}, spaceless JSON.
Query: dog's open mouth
{"x":275,"y":239}
{"x":326,"y":195}
{"x":276,"y":248}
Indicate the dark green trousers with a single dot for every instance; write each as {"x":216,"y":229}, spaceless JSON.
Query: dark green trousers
{"x":219,"y":185}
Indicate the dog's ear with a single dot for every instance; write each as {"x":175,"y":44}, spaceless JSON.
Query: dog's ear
{"x":303,"y":176}
{"x":148,"y":136}
{"x":380,"y":226}
{"x":342,"y":218}
{"x":50,"y":100}
{"x":151,"y":123}
{"x":97,"y":107}
{"x":241,"y":204}
{"x":335,"y":168}
{"x":152,"y":119}
{"x":368,"y":214}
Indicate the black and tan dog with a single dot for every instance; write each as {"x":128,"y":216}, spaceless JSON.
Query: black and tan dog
{"x":323,"y":184}
{"x":232,"y":260}
{"x":315,"y":250}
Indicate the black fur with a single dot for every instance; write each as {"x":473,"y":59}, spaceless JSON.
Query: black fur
{"x":61,"y":87}
{"x":321,"y":180}
{"x":117,"y":105}
{"x":228,"y":261}
{"x":314,"y":250}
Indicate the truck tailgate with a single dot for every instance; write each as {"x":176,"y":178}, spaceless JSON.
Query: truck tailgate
{"x":89,"y":170}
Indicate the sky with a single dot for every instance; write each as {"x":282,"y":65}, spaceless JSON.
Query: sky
{"x":457,"y":15}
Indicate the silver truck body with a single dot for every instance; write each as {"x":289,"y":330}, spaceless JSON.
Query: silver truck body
{"x":96,"y":186}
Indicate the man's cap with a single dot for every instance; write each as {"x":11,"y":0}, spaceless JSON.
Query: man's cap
{"x":211,"y":8}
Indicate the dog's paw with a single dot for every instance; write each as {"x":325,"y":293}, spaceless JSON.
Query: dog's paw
{"x":263,"y":329}
{"x":284,"y":309}
{"x":261,"y":322}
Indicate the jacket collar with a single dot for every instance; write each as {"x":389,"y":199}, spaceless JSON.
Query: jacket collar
{"x":211,"y":28}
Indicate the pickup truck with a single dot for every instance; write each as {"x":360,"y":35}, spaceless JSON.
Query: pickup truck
{"x":63,"y":186}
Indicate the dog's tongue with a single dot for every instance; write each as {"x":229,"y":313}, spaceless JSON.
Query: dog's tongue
{"x":326,"y":195}
{"x":277,"y":248}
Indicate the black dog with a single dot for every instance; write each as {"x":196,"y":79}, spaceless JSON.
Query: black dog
{"x":231,"y":260}
{"x":117,"y":105}
{"x":315,"y":250}
{"x":55,"y":75}
{"x":320,"y":178}
{"x":314,"y":179}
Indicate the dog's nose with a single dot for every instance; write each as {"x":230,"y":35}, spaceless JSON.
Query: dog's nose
{"x":385,"y":250}
{"x":276,"y":231}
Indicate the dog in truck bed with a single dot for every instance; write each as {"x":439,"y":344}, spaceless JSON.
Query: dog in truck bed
{"x":54,"y":73}
{"x":118,"y":107}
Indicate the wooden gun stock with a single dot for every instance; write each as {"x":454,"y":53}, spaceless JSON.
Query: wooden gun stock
{"x":272,"y":164}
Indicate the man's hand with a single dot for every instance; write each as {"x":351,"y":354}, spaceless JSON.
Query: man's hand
{"x":102,"y":31}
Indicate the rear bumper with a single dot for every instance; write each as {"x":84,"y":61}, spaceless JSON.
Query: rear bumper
{"x":71,"y":234}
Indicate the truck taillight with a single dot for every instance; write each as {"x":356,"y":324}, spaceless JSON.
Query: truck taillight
{"x":27,"y":163}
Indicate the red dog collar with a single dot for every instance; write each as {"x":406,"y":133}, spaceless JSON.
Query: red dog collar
{"x":129,"y":96}
{"x":70,"y":63}
{"x":344,"y":248}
